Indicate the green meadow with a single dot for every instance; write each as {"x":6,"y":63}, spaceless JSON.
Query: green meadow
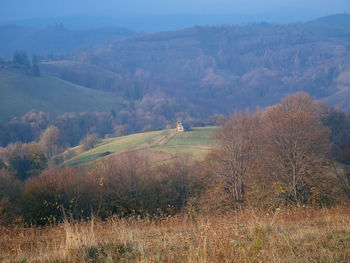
{"x":198,"y":142}
{"x":21,"y":93}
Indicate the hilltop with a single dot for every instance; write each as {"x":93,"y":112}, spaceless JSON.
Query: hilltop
{"x":161,"y":145}
{"x":334,"y":26}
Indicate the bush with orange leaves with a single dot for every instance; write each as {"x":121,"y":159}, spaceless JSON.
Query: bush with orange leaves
{"x":125,"y":185}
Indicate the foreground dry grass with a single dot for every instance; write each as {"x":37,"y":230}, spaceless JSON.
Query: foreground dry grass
{"x":299,"y":235}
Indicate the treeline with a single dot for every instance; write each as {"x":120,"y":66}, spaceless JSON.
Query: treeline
{"x":72,"y":126}
{"x":146,"y":115}
{"x":21,"y":61}
{"x":36,"y":141}
{"x":293,"y":153}
{"x":37,"y":133}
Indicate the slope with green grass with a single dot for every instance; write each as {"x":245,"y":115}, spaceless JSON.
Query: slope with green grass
{"x":198,"y":141}
{"x":20,"y":93}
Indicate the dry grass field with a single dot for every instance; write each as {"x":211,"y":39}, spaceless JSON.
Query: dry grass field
{"x":295,"y":235}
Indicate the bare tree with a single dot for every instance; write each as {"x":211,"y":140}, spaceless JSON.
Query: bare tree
{"x":182,"y":171}
{"x":234,"y":159}
{"x":51,"y":141}
{"x":295,"y":142}
{"x":121,"y":181}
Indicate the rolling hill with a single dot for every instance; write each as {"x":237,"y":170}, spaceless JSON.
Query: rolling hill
{"x":336,"y":26}
{"x":161,"y":145}
{"x":21,"y":93}
{"x":193,"y":74}
{"x":84,"y":74}
{"x":219,"y":69}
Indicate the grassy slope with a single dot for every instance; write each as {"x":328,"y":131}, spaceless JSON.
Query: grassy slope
{"x":20,"y":93}
{"x":196,"y":142}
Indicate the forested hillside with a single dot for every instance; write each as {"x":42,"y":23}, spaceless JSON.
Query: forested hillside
{"x":208,"y":70}
{"x":194,"y":75}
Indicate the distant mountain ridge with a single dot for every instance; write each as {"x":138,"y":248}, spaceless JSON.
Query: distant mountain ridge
{"x":56,"y":40}
{"x":339,"y":20}
{"x":331,"y":26}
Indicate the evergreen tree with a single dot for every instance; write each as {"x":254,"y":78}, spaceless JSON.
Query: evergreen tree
{"x":20,"y":59}
{"x":35,"y":67}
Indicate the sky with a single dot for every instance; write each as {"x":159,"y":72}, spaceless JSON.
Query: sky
{"x":291,"y":10}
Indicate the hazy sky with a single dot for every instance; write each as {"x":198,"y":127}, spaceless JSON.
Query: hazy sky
{"x":21,"y":9}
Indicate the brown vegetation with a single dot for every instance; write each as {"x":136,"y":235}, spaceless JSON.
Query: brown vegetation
{"x":257,"y":197}
{"x":235,"y":158}
{"x":292,"y":235}
{"x":281,"y":153}
{"x":295,"y":145}
{"x":267,"y":159}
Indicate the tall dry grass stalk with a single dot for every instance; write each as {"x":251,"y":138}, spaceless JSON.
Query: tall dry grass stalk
{"x":295,"y":235}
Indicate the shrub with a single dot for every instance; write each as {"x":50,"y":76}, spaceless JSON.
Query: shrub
{"x":10,"y":191}
{"x":89,"y":141}
{"x":27,"y":160}
{"x":56,"y":192}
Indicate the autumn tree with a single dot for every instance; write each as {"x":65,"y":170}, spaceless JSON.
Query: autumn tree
{"x":26,"y":160}
{"x":90,"y":141}
{"x":342,"y":173}
{"x":51,"y":141}
{"x":182,"y":173}
{"x":235,"y":156}
{"x":122,"y":183}
{"x":295,"y":145}
{"x":10,"y":190}
{"x":55,"y":192}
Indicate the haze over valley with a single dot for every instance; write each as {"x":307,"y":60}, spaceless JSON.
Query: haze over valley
{"x":179,"y":131}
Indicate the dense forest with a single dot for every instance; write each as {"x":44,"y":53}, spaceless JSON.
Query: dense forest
{"x":211,"y":70}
